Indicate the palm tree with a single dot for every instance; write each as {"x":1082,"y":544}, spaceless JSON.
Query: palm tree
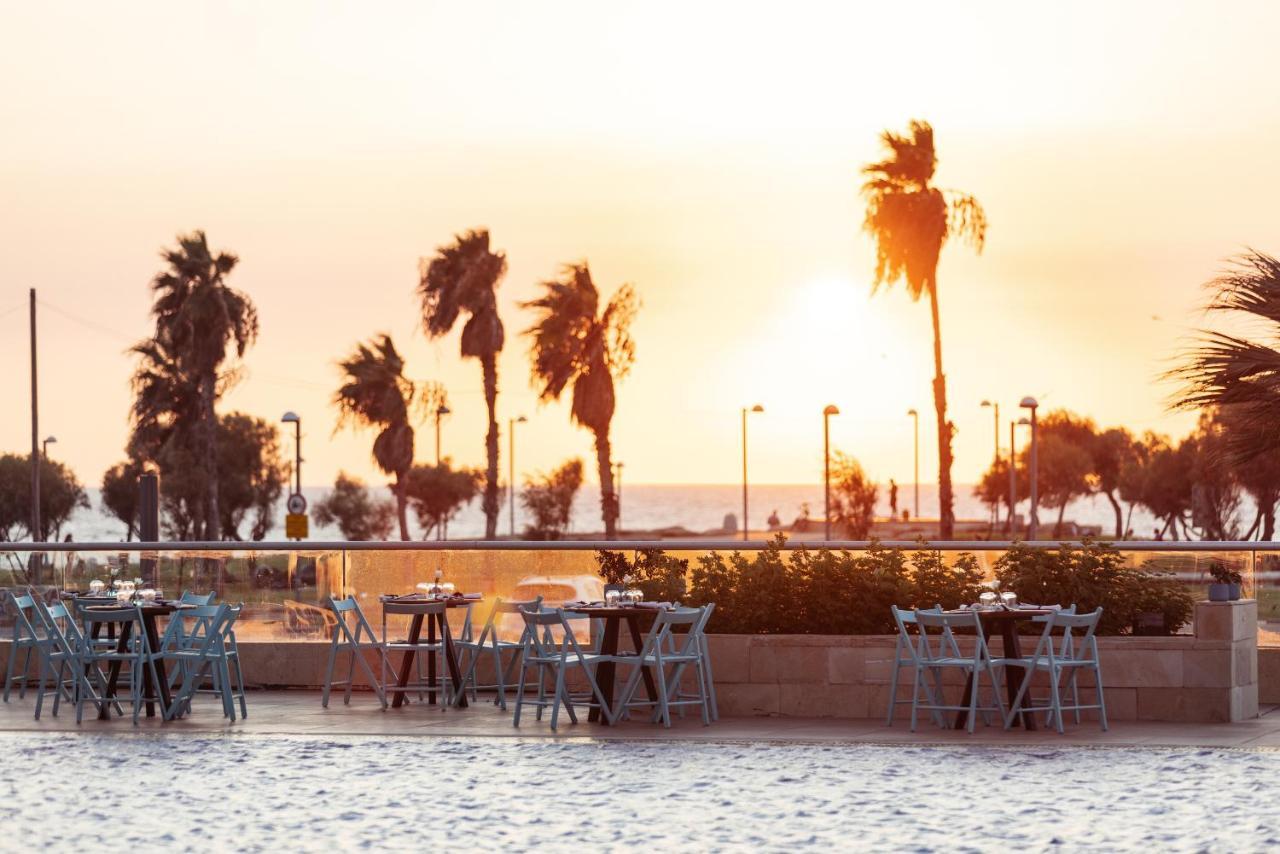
{"x":910,"y":220}
{"x":198,"y":316}
{"x":376,"y":393}
{"x":574,"y":341}
{"x":1238,"y":375}
{"x":464,"y":276}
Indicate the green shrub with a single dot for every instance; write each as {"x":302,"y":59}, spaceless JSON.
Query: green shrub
{"x":1092,"y":576}
{"x":661,"y":576}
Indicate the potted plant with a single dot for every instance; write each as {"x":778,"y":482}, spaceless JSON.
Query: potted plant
{"x":1226,"y":583}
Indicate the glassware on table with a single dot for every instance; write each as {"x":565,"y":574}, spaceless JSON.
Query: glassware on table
{"x":987,"y":599}
{"x":123,"y":596}
{"x":147,"y":595}
{"x":612,"y":597}
{"x":1009,"y":599}
{"x":634,"y":595}
{"x":448,"y":588}
{"x":96,"y":587}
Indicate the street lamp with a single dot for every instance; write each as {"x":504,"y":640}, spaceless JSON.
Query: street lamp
{"x":756,"y":408}
{"x":44,"y":446}
{"x":511,"y":462}
{"x":441,"y":411}
{"x":996,"y":406}
{"x":1030,"y":403}
{"x":916,"y":478}
{"x":296,"y":420}
{"x":832,"y":409}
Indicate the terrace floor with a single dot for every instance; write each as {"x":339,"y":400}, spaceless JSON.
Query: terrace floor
{"x":300,"y":713}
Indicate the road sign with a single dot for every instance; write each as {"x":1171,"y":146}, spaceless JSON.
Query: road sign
{"x":295,"y":526}
{"x":296,"y":503}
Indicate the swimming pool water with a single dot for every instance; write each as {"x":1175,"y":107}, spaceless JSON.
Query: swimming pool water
{"x":294,"y":793}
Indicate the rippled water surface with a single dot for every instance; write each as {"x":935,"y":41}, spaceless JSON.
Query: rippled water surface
{"x":298,"y":793}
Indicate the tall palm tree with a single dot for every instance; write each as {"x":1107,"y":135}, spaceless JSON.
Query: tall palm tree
{"x":1239,"y":375}
{"x":198,"y":316}
{"x":910,"y":220}
{"x":575,"y":341}
{"x":464,"y":276}
{"x":376,"y":393}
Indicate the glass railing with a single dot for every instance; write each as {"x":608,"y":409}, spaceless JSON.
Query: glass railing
{"x":285,"y":586}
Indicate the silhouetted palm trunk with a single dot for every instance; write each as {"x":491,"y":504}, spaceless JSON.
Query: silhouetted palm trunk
{"x":402,"y":504}
{"x":209,"y":457}
{"x":946,"y":514}
{"x":490,"y":503}
{"x":608,"y":500}
{"x":1115,"y":505}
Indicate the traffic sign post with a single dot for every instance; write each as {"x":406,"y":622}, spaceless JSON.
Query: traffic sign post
{"x":295,"y":523}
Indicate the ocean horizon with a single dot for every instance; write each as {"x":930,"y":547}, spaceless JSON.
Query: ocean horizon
{"x":650,"y":507}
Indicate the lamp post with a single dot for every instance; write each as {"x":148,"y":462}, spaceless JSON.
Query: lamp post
{"x":441,"y":411}
{"x":832,"y":409}
{"x":44,"y":446}
{"x":1031,"y":403}
{"x":617,"y":491}
{"x":1013,"y":472}
{"x":996,"y":406}
{"x":756,"y":408}
{"x":296,"y":420}
{"x":915,"y":480}
{"x":511,"y":463}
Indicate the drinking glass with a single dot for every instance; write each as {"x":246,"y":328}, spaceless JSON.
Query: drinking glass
{"x":123,"y":596}
{"x":1009,"y":599}
{"x":147,"y":594}
{"x":611,"y":597}
{"x":95,"y":587}
{"x":635,"y":594}
{"x":447,"y":588}
{"x":988,"y":599}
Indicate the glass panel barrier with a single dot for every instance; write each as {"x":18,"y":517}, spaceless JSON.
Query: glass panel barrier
{"x":286,"y":590}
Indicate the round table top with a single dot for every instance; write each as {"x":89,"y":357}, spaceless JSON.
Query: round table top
{"x":996,"y":615}
{"x":615,"y":610}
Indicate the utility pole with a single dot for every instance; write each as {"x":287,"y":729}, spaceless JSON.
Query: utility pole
{"x":35,"y":431}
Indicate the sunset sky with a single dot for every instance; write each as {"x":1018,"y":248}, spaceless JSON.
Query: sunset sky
{"x":706,"y":153}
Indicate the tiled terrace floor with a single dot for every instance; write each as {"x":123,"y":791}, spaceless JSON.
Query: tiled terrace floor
{"x":299,"y":713}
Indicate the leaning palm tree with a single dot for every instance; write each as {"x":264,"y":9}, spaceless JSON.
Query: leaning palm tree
{"x":464,"y":276}
{"x":376,"y":393}
{"x":1239,"y":375}
{"x":910,"y":220}
{"x":575,"y":341}
{"x":198,"y":316}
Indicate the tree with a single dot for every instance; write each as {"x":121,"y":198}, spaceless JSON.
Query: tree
{"x":251,"y":476}
{"x":1258,"y":474}
{"x":376,"y":393}
{"x":439,"y":492}
{"x":1062,"y":472}
{"x":853,"y":496}
{"x":993,"y":488}
{"x":464,"y":276}
{"x":910,"y":220}
{"x":197,"y":316}
{"x":1215,"y":492}
{"x":358,"y":515}
{"x":120,"y":494}
{"x":575,"y":340}
{"x":549,"y":499}
{"x":1159,"y":477}
{"x":60,"y":495}
{"x":1111,"y":450}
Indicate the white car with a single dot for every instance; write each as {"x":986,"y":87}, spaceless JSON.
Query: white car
{"x":555,"y":590}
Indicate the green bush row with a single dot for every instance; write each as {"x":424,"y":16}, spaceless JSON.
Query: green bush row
{"x":773,"y":591}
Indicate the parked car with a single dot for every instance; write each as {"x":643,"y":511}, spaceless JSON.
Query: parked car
{"x":555,"y":590}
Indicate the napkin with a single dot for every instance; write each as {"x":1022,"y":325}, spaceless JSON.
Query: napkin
{"x":655,"y":605}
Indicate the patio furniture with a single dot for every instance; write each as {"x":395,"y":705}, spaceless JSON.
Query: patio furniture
{"x":345,"y":613}
{"x":664,"y":648}
{"x":542,"y":652}
{"x":439,"y":640}
{"x":905,"y":655}
{"x":1075,"y":653}
{"x":492,"y":646}
{"x":935,"y":655}
{"x":65,"y":662}
{"x":203,"y":653}
{"x":612,"y":616}
{"x":1004,"y":621}
{"x":147,"y":680}
{"x":26,"y":639}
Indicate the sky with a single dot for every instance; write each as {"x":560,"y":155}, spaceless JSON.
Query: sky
{"x":707,"y":153}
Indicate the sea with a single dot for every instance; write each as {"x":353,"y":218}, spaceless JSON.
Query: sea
{"x":696,"y":508}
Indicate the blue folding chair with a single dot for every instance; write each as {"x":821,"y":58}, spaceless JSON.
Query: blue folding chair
{"x":354,"y":641}
{"x":204,"y":656}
